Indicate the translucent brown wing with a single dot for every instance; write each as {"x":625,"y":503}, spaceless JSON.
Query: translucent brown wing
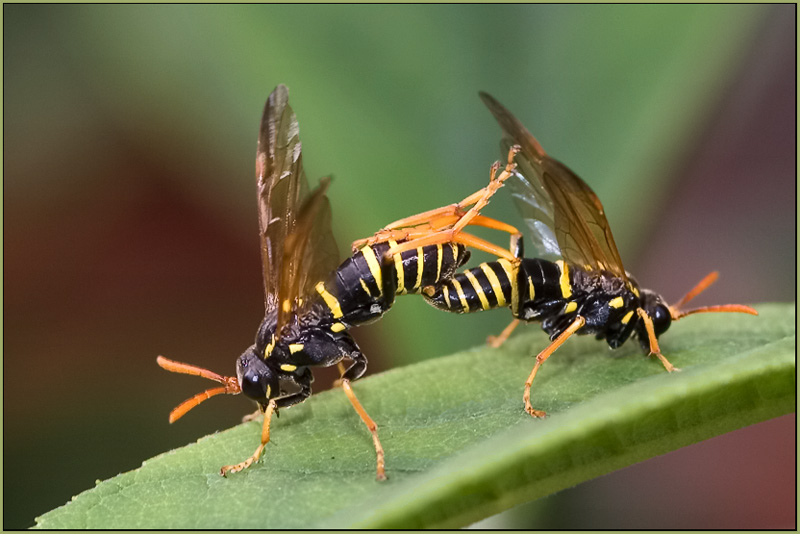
{"x":310,"y":253}
{"x":282,"y":192}
{"x":550,"y":196}
{"x":321,"y":253}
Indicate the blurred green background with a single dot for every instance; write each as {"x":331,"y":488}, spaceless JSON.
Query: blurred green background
{"x":130,"y":223}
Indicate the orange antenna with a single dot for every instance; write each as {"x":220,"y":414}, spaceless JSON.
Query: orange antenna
{"x":702,"y":285}
{"x":230,"y":385}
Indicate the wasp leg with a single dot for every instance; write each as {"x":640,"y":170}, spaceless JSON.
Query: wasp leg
{"x":448,"y":221}
{"x":354,"y":372}
{"x":251,"y":416}
{"x":542,"y":357}
{"x":430,"y":234}
{"x":302,"y":377}
{"x":371,"y":426}
{"x":462,"y":238}
{"x":264,"y":440}
{"x":497,"y":341}
{"x":517,"y":246}
{"x":304,"y":381}
{"x":488,"y":191}
{"x":655,"y":350}
{"x":427,"y":221}
{"x":439,"y":226}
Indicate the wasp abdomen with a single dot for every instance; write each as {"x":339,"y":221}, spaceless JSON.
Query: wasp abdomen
{"x":489,"y":285}
{"x":364,"y":286}
{"x":426,"y":266}
{"x":532,"y":288}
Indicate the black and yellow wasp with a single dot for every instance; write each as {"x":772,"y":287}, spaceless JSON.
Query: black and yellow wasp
{"x":311,"y":300}
{"x":577,"y":285}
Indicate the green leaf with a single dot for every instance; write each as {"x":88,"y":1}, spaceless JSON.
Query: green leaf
{"x":458,"y":445}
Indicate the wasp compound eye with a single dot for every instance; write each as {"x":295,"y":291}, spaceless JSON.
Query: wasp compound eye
{"x":254,"y":385}
{"x":255,"y":378}
{"x":661,"y":318}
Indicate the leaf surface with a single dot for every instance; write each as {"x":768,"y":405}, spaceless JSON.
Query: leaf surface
{"x":458,"y":445}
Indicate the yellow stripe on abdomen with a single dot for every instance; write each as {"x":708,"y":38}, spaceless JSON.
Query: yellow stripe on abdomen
{"x":420,"y":267}
{"x":374,"y":267}
{"x":330,"y":301}
{"x":439,"y":254}
{"x":365,"y":287}
{"x":461,"y":296}
{"x":398,"y":267}
{"x":495,"y":283}
{"x":476,"y":286}
{"x":511,"y":274}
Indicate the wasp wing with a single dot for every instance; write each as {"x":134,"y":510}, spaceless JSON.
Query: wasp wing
{"x":309,"y":255}
{"x":563,"y":212}
{"x":282,"y":191}
{"x":281,"y":185}
{"x":527,"y":189}
{"x":321,"y":253}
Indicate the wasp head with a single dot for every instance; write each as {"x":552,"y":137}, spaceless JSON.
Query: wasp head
{"x":257,"y":380}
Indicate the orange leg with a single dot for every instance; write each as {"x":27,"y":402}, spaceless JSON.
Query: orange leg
{"x":407,"y":234}
{"x":264,"y":440}
{"x":497,"y":341}
{"x":489,"y":190}
{"x":494,"y":224}
{"x":252,"y":416}
{"x":454,"y":211}
{"x":442,"y":225}
{"x":542,"y":357}
{"x":655,"y":350}
{"x":457,"y":209}
{"x":463,"y":238}
{"x":371,"y":426}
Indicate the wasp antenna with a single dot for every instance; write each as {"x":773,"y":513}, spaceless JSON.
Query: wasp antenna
{"x":736,"y":308}
{"x":187,"y":369}
{"x":701,"y":286}
{"x":231,"y":385}
{"x":188,"y":404}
